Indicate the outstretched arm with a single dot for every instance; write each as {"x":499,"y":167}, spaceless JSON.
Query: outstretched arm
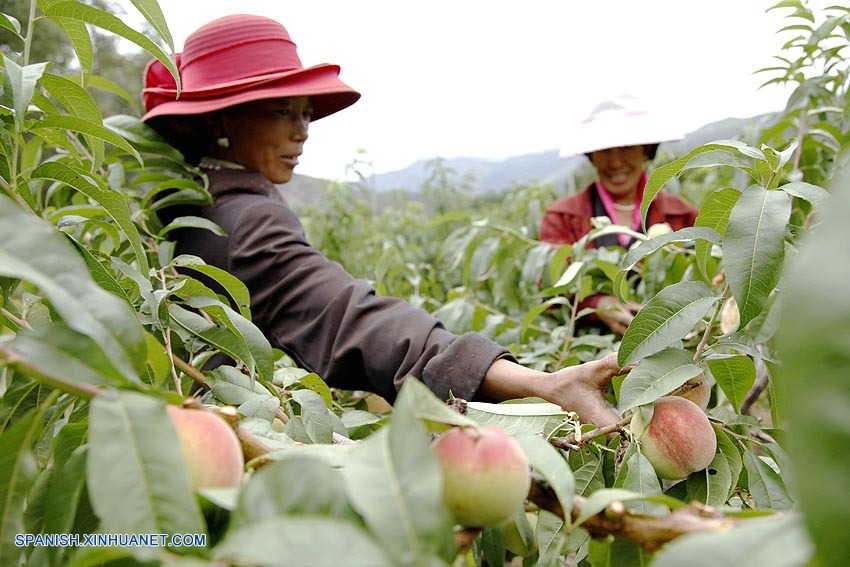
{"x":578,"y":388}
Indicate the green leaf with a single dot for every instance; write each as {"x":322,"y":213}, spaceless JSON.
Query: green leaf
{"x":11,"y":24}
{"x":232,"y":285}
{"x":218,"y":334}
{"x":765,"y":484}
{"x":559,"y":261}
{"x":77,"y":102}
{"x":735,"y":376}
{"x":666,"y":318}
{"x":78,"y":11}
{"x":315,"y":416}
{"x":290,"y":541}
{"x":515,"y":417}
{"x":19,"y":84}
{"x":31,"y":250}
{"x":67,"y":356}
{"x":235,"y":388}
{"x":754,"y":248}
{"x":714,"y":213}
{"x":113,"y":202}
{"x":812,"y":380}
{"x":395,"y":483}
{"x":588,"y":475}
{"x":153,"y":14}
{"x":647,"y":247}
{"x":779,"y":541}
{"x":657,"y":375}
{"x":78,"y":33}
{"x":434,"y":413}
{"x":712,"y":485}
{"x":96,"y":81}
{"x":17,"y":472}
{"x":729,"y":449}
{"x":99,"y":273}
{"x":258,"y":345}
{"x":637,"y":475}
{"x":302,"y":486}
{"x":663,"y":174}
{"x":83,"y":126}
{"x":67,"y":484}
{"x":550,"y":464}
{"x":818,"y":196}
{"x":136,"y":477}
{"x":192,"y":222}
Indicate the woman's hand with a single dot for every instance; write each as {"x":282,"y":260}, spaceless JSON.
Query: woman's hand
{"x":579,"y":388}
{"x":617,"y":316}
{"x":582,"y":389}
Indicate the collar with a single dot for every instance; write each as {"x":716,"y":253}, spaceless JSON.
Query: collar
{"x":224,"y":181}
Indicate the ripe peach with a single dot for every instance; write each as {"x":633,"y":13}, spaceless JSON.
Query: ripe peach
{"x":678,"y":440}
{"x":697,"y":390}
{"x":210,"y":447}
{"x":485,"y":475}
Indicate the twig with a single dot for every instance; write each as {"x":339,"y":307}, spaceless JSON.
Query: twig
{"x":12,"y":317}
{"x":762,"y":379}
{"x":568,"y":340}
{"x":189,"y":370}
{"x":570,"y":442}
{"x":710,"y":325}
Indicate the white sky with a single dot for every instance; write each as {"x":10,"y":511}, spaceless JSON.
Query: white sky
{"x":493,"y":78}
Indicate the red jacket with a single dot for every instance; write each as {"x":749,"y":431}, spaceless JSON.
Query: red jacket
{"x":568,"y":219}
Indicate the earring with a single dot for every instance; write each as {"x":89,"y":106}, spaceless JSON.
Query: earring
{"x":223,"y":142}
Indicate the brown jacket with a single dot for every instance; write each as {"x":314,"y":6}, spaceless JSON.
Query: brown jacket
{"x":311,"y":308}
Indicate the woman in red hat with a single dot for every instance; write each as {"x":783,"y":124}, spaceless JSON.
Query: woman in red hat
{"x":619,"y":138}
{"x":242,"y":114}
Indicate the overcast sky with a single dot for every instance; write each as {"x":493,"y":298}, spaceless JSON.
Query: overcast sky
{"x":492,"y":78}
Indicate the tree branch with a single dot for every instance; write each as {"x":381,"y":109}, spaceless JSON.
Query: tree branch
{"x":571,"y":443}
{"x":762,"y":379}
{"x":650,"y":532}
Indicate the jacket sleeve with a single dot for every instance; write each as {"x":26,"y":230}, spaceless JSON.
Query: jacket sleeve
{"x":555,"y":229}
{"x":335,"y":325}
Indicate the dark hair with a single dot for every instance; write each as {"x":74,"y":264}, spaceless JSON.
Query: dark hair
{"x":651,"y":150}
{"x":191,"y":134}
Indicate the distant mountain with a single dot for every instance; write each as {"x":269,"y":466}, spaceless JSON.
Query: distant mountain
{"x":488,"y":175}
{"x":498,"y":175}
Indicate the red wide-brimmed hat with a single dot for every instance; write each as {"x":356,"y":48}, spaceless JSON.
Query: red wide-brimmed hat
{"x":236,"y":59}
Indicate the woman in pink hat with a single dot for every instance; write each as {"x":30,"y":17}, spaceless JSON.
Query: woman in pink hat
{"x":619,"y":138}
{"x":242,"y":114}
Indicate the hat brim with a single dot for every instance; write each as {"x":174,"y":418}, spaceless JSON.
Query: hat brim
{"x":328,"y":94}
{"x":597,"y":135}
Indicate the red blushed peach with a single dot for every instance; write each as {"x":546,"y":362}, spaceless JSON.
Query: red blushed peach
{"x":679,"y":438}
{"x":486,"y":477}
{"x":210,"y":447}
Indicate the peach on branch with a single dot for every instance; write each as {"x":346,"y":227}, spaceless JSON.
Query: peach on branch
{"x":210,"y":448}
{"x":486,"y":476}
{"x":698,"y":390}
{"x":678,"y":440}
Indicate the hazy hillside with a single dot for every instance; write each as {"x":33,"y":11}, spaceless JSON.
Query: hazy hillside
{"x":497,"y":175}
